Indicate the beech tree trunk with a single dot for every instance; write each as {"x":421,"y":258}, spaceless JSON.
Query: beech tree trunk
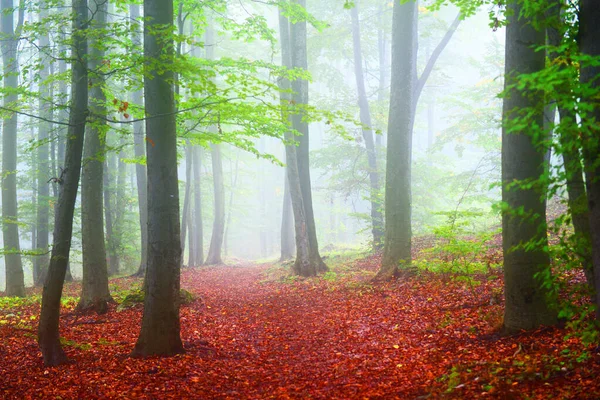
{"x":525,"y":299}
{"x":198,"y":229}
{"x":94,"y":286}
{"x":48,"y":334}
{"x":15,"y":280}
{"x":140,"y":153}
{"x":589,"y":44}
{"x":302,"y":264}
{"x":300,"y":96}
{"x":287,"y":224}
{"x":185,"y":216}
{"x":40,"y":265}
{"x":160,"y":333}
{"x":405,"y":86}
{"x":367,"y":133}
{"x":570,"y":151}
{"x":397,"y":242}
{"x":218,"y":231}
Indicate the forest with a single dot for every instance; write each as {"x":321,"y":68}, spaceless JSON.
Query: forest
{"x":293,"y":199}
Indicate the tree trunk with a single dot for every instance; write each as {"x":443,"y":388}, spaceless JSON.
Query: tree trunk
{"x":185,"y":216}
{"x":287,"y":224}
{"x":140,"y":153}
{"x":570,"y":151}
{"x":160,"y":333}
{"x":367,"y":133}
{"x":94,"y":286}
{"x":40,"y":265}
{"x":109,"y":206}
{"x":522,"y":160}
{"x":397,"y":243}
{"x":216,"y":240}
{"x":589,"y":43}
{"x":302,"y":264}
{"x":198,"y":229}
{"x":234,"y":179}
{"x":120,"y":208}
{"x":48,"y":334}
{"x":300,"y":96}
{"x":15,"y":280}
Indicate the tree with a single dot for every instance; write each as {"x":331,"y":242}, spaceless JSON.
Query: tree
{"x":40,"y":263}
{"x":94,"y":285}
{"x":299,"y":59}
{"x":589,"y":42}
{"x":397,"y":241}
{"x":218,"y":231}
{"x":287,"y":224}
{"x":303,"y":264}
{"x":524,"y":234}
{"x":48,"y":334}
{"x":198,"y":238}
{"x":160,"y":332}
{"x":568,"y":132}
{"x":15,"y":280}
{"x":140,"y":153}
{"x":367,"y":132}
{"x":405,"y":86}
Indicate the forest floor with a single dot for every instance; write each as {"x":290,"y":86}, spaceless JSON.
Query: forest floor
{"x":255,"y":333}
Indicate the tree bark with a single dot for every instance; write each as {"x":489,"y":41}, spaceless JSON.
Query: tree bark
{"x":570,"y":151}
{"x":186,"y":198}
{"x":160,"y":333}
{"x":94,"y":286}
{"x":216,"y":240}
{"x":397,"y":242}
{"x":287,"y":224}
{"x":15,"y":280}
{"x":40,"y":265}
{"x":300,"y":97}
{"x":367,"y":133}
{"x":522,"y":159}
{"x":589,"y":44}
{"x":48,"y":334}
{"x":302,"y":264}
{"x":140,"y":153}
{"x":198,"y":229}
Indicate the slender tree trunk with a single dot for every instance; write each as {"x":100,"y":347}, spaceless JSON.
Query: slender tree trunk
{"x":525,"y":221}
{"x":367,"y":133}
{"x":198,"y":229}
{"x":185,"y":216}
{"x":300,"y":96}
{"x":397,"y":243}
{"x":401,"y":118}
{"x":216,"y":241}
{"x":234,"y":179}
{"x":48,"y":334}
{"x":382,"y":46}
{"x":63,"y":116}
{"x":160,"y":333}
{"x":40,"y":265}
{"x":94,"y":286}
{"x":15,"y":280}
{"x":140,"y":153}
{"x":570,"y":151}
{"x":119,"y":210}
{"x":287,"y":224}
{"x":218,"y":231}
{"x":109,"y":208}
{"x":302,"y":264}
{"x":589,"y":43}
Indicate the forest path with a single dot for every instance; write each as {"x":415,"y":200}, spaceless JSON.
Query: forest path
{"x":251,"y":335}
